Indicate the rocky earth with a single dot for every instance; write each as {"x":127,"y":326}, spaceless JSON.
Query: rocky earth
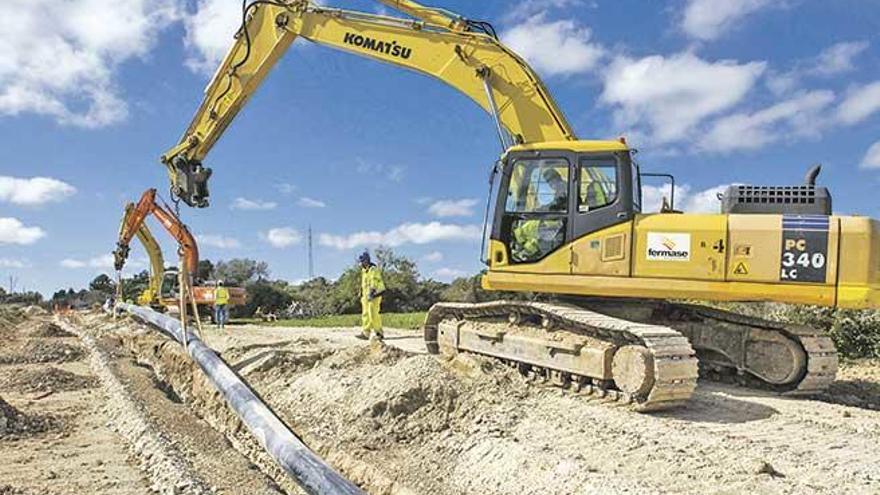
{"x":115,"y":407}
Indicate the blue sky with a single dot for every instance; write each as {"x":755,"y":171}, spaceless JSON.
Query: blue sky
{"x":93,"y":91}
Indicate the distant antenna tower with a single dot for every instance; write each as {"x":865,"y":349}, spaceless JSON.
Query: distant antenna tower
{"x":311,"y":256}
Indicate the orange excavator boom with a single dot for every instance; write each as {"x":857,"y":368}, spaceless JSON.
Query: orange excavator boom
{"x":169,"y":220}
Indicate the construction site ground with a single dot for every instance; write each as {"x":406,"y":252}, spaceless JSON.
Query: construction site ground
{"x":119,"y":408}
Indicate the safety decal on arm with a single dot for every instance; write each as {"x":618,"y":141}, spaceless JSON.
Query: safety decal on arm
{"x":804,"y":248}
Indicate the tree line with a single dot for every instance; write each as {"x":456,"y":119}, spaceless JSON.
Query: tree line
{"x":407,"y":290}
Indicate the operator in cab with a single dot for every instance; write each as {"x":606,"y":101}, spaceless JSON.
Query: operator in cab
{"x":221,"y":305}
{"x":372,"y":288}
{"x":527,"y":234}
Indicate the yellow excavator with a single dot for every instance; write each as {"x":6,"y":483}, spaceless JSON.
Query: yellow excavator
{"x":568,"y":223}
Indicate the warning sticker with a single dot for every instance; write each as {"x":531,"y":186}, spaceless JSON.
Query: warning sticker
{"x":668,"y":247}
{"x":804,"y":248}
{"x":741,"y":268}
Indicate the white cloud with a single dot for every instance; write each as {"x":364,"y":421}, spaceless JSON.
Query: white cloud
{"x":796,"y":117}
{"x":449,"y":274}
{"x":669,"y":96}
{"x":33,"y":191}
{"x":219,"y":241}
{"x":101,"y":262}
{"x":209,"y":33}
{"x":709,"y":19}
{"x":872,"y":156}
{"x":452,"y":208}
{"x":394,"y":173}
{"x":554,"y":47}
{"x":705,"y":201}
{"x":13,"y":263}
{"x":860,"y":103}
{"x":282,"y":237}
{"x":433,"y":257}
{"x":253,"y":204}
{"x":528,"y":9}
{"x":59,"y":59}
{"x":12,"y":231}
{"x":306,"y":202}
{"x":104,"y":262}
{"x":838,"y":58}
{"x":832,"y":61}
{"x":72,"y":263}
{"x":408,"y":233}
{"x":285,"y":187}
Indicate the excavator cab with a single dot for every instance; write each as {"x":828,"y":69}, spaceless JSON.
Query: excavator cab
{"x":550,"y":196}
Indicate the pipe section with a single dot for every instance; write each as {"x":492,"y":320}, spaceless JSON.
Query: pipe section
{"x":310,"y":471}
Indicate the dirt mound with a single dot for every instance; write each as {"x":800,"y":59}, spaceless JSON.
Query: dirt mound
{"x":43,"y":351}
{"x":46,"y":380}
{"x":382,"y":395}
{"x":47,"y":329}
{"x":9,"y":318}
{"x":15,"y":424}
{"x":35,"y":311}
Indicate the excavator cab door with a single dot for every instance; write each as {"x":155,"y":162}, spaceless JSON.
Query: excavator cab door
{"x":532,"y":213}
{"x":551,"y":198}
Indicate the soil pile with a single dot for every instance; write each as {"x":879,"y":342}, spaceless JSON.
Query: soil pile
{"x":43,"y":351}
{"x":15,"y":424}
{"x":9,"y":318}
{"x":46,"y":380}
{"x":47,"y":329}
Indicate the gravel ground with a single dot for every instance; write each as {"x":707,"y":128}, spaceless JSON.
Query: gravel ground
{"x":396,"y":421}
{"x":110,"y":407}
{"x":79,"y":416}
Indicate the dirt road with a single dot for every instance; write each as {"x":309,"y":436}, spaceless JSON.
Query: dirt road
{"x":79,"y":416}
{"x":398,"y":421}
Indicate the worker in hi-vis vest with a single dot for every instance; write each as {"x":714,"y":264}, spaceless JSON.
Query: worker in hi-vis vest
{"x":221,"y":305}
{"x":372,"y":288}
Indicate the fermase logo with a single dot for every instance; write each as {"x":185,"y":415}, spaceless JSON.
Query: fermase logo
{"x":668,"y":247}
{"x":386,"y":47}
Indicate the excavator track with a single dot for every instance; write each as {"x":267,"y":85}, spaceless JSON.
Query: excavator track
{"x":643,"y":366}
{"x":734,"y":348}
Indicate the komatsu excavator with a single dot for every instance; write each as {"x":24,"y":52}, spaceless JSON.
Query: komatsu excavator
{"x":568,"y":223}
{"x":163,"y":290}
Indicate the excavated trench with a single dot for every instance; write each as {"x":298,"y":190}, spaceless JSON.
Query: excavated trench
{"x":400,"y":423}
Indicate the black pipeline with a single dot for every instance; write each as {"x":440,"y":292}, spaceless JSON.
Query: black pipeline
{"x":309,"y":470}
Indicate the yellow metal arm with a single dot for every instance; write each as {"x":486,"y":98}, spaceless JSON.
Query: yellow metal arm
{"x":430,"y":15}
{"x":474,"y":63}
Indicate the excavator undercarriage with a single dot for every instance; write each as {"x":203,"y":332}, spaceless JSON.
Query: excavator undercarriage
{"x":650,"y":367}
{"x":642,"y":353}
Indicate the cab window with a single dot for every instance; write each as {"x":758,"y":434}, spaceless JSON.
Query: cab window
{"x":597,"y":186}
{"x":536,"y":207}
{"x":538,"y":186}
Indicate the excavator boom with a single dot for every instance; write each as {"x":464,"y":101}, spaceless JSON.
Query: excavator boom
{"x":438,"y":45}
{"x":133,"y":224}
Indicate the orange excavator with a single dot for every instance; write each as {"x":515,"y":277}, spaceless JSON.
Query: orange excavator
{"x":167,"y":288}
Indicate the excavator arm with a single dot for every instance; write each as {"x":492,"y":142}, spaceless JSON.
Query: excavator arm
{"x":133,"y":224}
{"x":464,"y":54}
{"x":151,"y":246}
